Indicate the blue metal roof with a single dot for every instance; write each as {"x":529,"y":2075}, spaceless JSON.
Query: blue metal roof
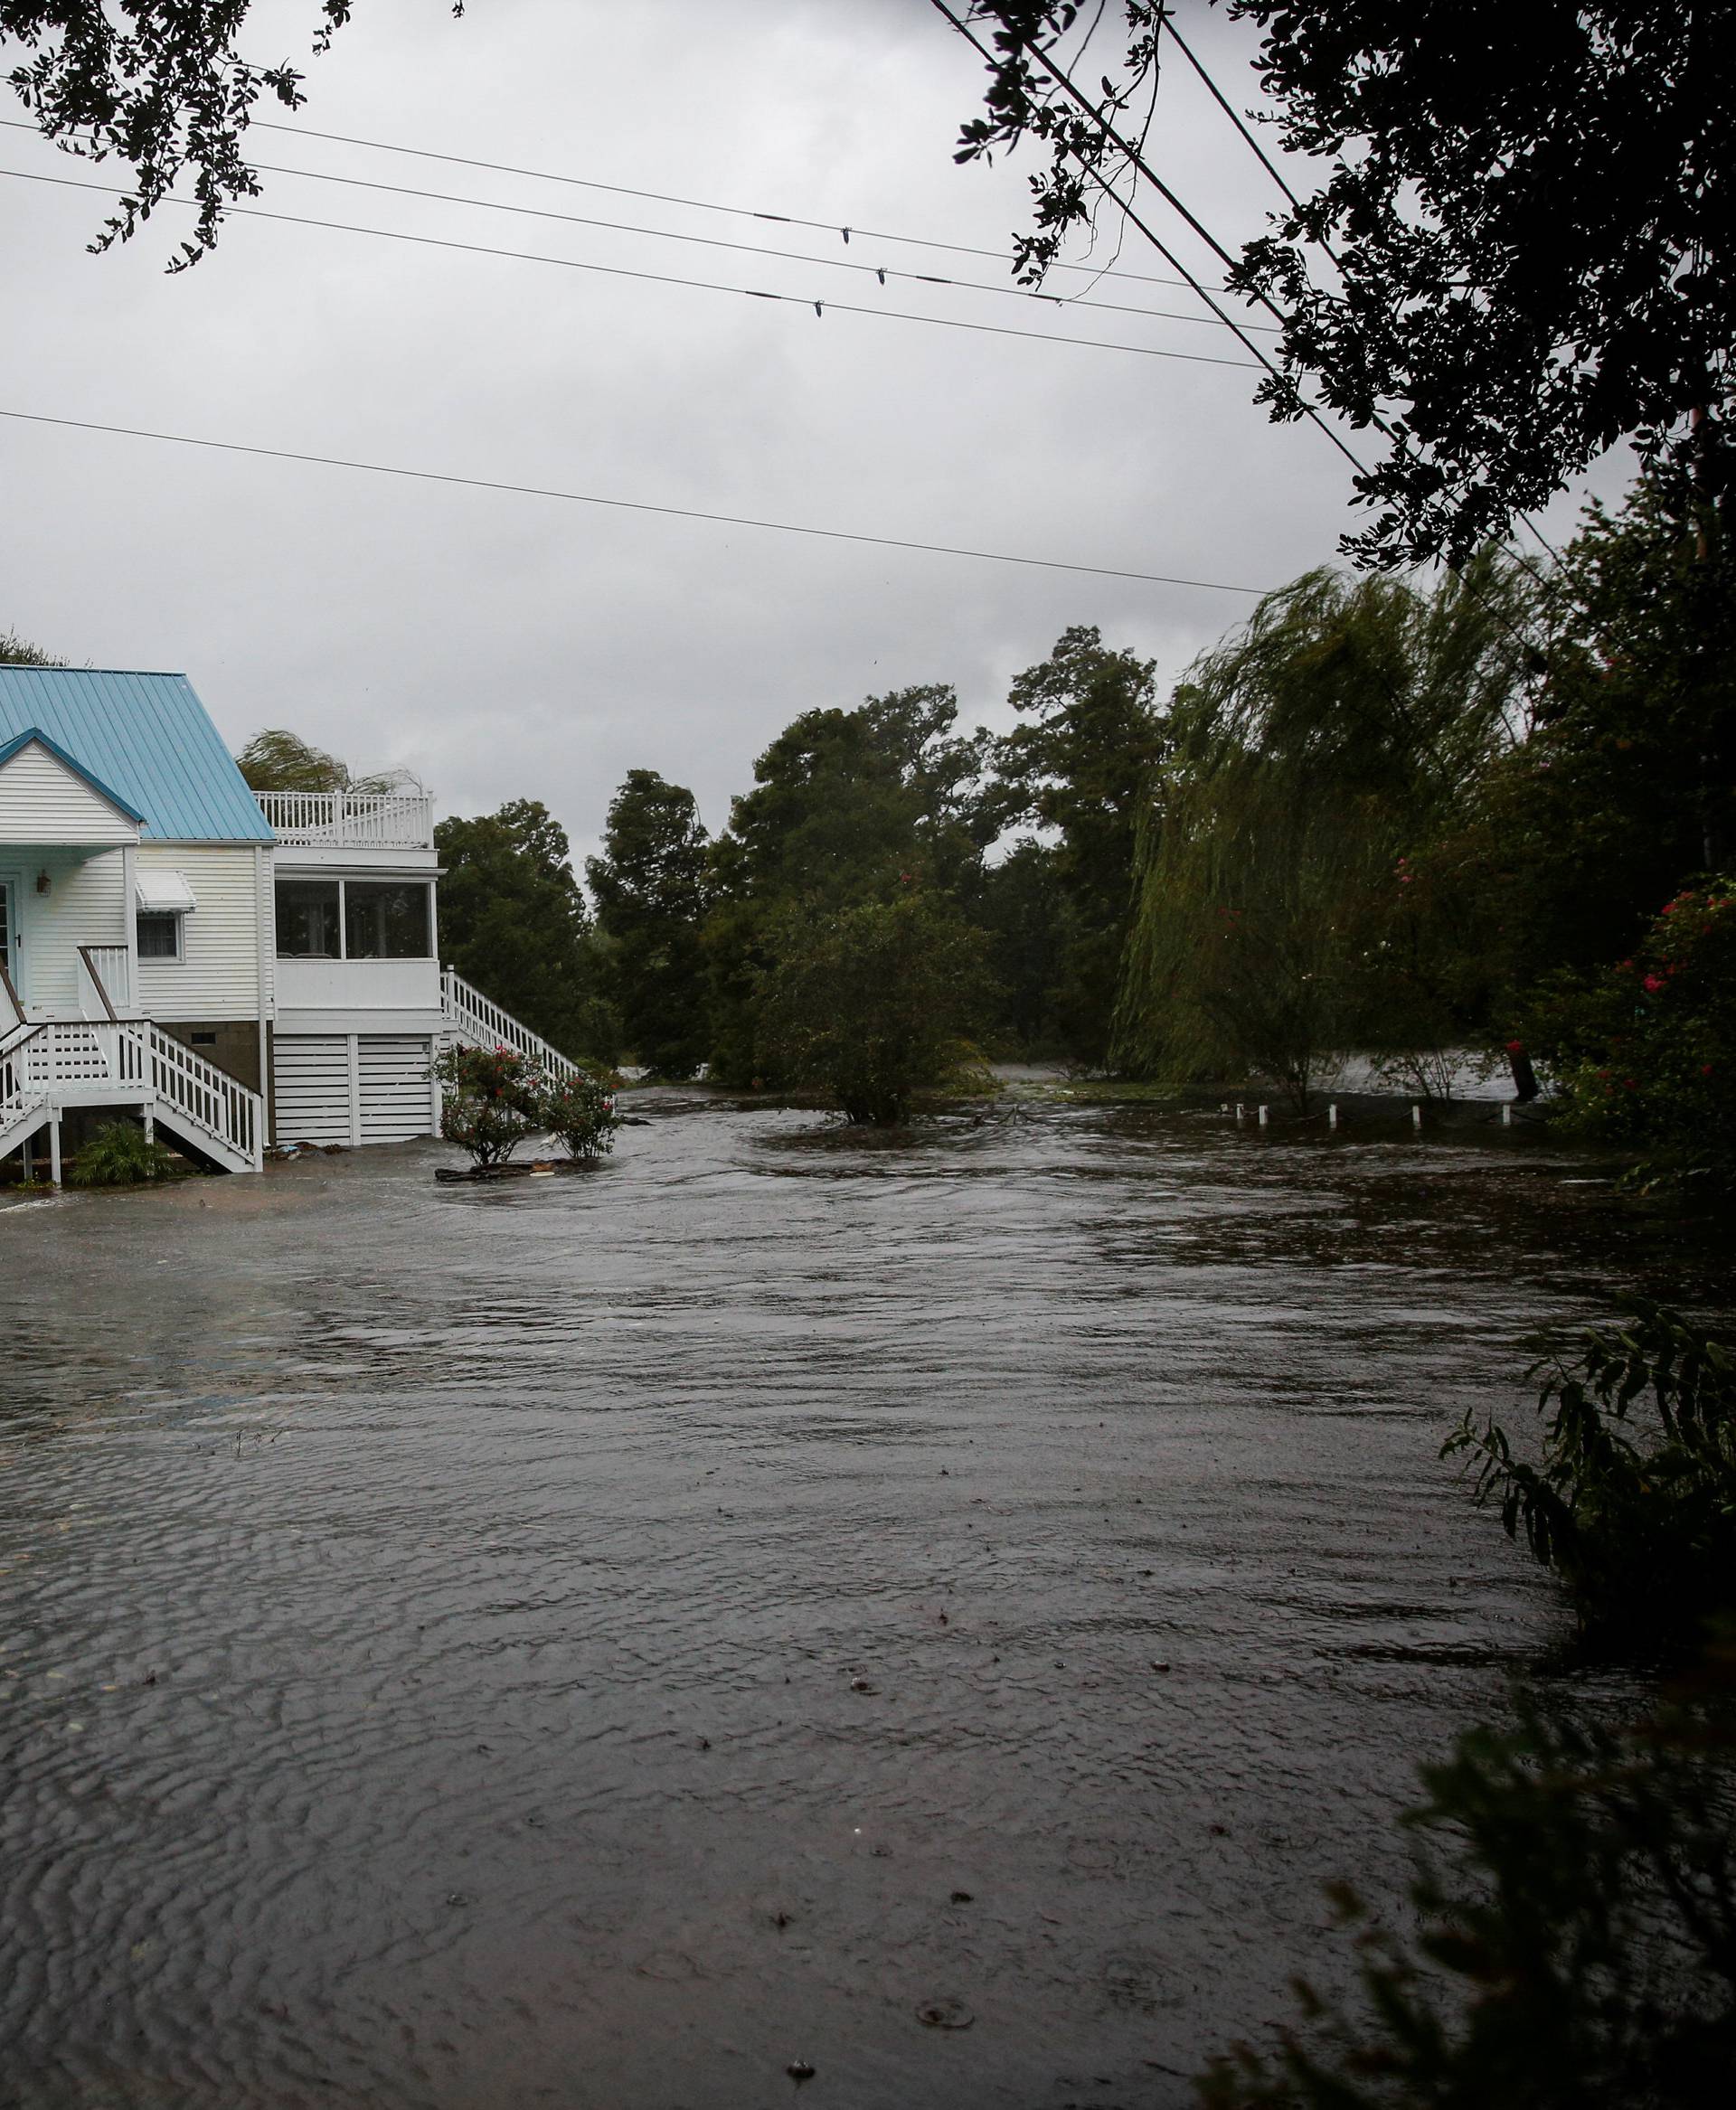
{"x":147,"y":738}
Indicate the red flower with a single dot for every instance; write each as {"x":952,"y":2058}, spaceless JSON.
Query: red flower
{"x":1653,"y":983}
{"x":1631,"y":1084}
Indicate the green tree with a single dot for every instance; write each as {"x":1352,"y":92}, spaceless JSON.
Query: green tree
{"x":1033,"y":937}
{"x":1078,"y":767}
{"x":872,"y":1001}
{"x":649,"y":889}
{"x":17,"y":651}
{"x":847,"y":806}
{"x":1518,"y":253}
{"x":1291,"y":903}
{"x":276,"y":760}
{"x":1627,"y":789}
{"x":513,"y":921}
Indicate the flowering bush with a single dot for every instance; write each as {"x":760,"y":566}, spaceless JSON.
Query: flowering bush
{"x":491,"y":1100}
{"x":1648,"y":1053}
{"x":580,"y":1110}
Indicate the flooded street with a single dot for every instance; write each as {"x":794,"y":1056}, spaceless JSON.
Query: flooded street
{"x":597,"y":1640}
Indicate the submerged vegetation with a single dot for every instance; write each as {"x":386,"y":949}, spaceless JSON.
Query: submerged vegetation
{"x":120,"y":1153}
{"x":1633,"y":1505}
{"x":493,"y":1099}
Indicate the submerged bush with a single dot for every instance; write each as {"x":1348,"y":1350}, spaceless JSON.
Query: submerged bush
{"x":579,"y":1112}
{"x":490,"y":1101}
{"x":1633,"y":1503}
{"x":120,"y":1154}
{"x":1575,"y":1943}
{"x":872,"y":1002}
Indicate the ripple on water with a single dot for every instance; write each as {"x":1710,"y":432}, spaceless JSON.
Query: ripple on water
{"x":595,"y":1641}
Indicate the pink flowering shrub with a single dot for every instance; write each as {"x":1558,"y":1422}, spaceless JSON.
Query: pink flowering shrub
{"x":490,"y":1101}
{"x":1649,"y":1050}
{"x":580,"y":1110}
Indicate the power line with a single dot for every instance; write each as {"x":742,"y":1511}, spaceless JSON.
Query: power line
{"x":1167,"y":21}
{"x":881,"y":271}
{"x":1110,"y":134}
{"x":1380,"y":424}
{"x":543,"y":176}
{"x":477,"y":248}
{"x":782,"y":527}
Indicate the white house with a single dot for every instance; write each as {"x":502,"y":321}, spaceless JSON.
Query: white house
{"x":238,"y":968}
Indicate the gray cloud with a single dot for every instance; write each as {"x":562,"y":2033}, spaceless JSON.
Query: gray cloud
{"x":507,"y":645}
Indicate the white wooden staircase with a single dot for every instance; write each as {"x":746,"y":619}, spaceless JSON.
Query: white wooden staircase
{"x":132,"y":1065}
{"x":472,"y":1021}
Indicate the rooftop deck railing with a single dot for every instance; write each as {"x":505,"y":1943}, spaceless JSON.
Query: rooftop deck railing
{"x":349,"y":820}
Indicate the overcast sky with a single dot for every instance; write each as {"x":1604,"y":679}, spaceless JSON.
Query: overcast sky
{"x":505,"y":645}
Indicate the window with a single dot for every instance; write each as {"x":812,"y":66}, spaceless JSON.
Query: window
{"x":353,"y":919}
{"x":309,"y":923}
{"x":159,"y":936}
{"x":385,"y":920}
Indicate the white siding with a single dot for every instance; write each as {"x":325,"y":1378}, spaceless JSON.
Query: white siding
{"x":395,"y":1103}
{"x":310,"y":1075}
{"x":351,"y":1087}
{"x":219,"y":976}
{"x":41,"y":800}
{"x":85,"y":904}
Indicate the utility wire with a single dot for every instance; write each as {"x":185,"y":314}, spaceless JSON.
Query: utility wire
{"x":1380,"y":424}
{"x":1168,"y":22}
{"x":543,"y":176}
{"x":881,"y":271}
{"x":1163,"y":250}
{"x":819,"y":305}
{"x":782,"y":527}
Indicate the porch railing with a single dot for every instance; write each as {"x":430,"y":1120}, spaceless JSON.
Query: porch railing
{"x":105,"y":981}
{"x":389,"y":820}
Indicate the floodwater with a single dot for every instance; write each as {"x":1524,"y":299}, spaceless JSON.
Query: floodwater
{"x":936,"y":1608}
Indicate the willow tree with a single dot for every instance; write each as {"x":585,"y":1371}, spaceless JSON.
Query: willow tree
{"x":1294,"y":897}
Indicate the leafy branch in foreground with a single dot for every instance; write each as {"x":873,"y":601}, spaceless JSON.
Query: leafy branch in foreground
{"x":1508,"y":251}
{"x":1633,"y":1503}
{"x":1575,"y":1900}
{"x":162,"y":86}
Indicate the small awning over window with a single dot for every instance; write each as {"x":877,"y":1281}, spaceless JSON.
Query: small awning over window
{"x":164,"y":894}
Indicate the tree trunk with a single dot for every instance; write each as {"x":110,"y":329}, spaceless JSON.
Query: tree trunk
{"x":1525,"y":1087}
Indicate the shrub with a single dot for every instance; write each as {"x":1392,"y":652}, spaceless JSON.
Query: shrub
{"x":1639,"y":1523}
{"x":1643,"y":1054}
{"x":491,"y":1101}
{"x":579,"y":1111}
{"x":120,"y":1154}
{"x":870,"y":1002}
{"x":1575,"y":1943}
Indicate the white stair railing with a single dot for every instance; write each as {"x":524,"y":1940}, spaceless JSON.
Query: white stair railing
{"x":479,"y":1022}
{"x":204,"y":1097}
{"x":19,"y":1092}
{"x":94,"y":1061}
